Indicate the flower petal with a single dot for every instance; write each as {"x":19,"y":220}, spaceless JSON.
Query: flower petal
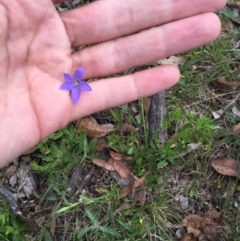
{"x":85,"y":86}
{"x":78,"y":74}
{"x":68,"y":78}
{"x":75,"y":94}
{"x":66,"y":86}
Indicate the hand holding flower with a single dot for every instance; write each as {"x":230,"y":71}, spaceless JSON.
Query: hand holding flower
{"x":35,"y":51}
{"x":75,"y":84}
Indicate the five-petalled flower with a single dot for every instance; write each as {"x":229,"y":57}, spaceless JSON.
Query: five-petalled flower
{"x":75,"y":84}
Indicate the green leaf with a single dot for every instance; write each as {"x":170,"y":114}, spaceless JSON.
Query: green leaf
{"x":91,"y":216}
{"x":110,"y":231}
{"x":64,"y":209}
{"x":84,"y":231}
{"x":46,"y":235}
{"x":191,"y":193}
{"x":54,"y":149}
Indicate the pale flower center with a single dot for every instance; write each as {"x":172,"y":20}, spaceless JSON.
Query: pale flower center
{"x":76,"y":82}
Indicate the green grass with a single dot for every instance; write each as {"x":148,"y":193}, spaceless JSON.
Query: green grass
{"x":189,"y":120}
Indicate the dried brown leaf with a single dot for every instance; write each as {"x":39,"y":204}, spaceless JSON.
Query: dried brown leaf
{"x":188,"y":237}
{"x":194,"y":231}
{"x":138,"y":182}
{"x":92,"y":128}
{"x":202,"y":226}
{"x":140,"y":196}
{"x":227,"y":166}
{"x":128,"y":128}
{"x":125,"y":191}
{"x":115,"y":155}
{"x":213,"y":213}
{"x":102,"y":163}
{"x":210,"y":231}
{"x":9,"y":171}
{"x":194,"y":220}
{"x":174,"y":60}
{"x":123,"y":169}
{"x":118,"y":156}
{"x":236,"y":129}
{"x":101,"y":145}
{"x":184,"y":222}
{"x":123,"y":206}
{"x":146,"y":104}
{"x":228,"y":85}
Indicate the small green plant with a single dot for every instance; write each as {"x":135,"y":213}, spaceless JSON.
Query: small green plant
{"x":11,"y":229}
{"x":63,"y":149}
{"x":96,"y":227}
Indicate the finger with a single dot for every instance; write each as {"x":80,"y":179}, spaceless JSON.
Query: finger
{"x":112,"y":92}
{"x":107,"y":19}
{"x":147,"y":46}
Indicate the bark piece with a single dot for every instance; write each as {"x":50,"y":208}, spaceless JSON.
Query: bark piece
{"x":155,"y":117}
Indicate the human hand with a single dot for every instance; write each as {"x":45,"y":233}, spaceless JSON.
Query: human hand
{"x":35,"y":51}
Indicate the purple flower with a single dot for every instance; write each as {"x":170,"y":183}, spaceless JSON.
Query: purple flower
{"x":75,"y":84}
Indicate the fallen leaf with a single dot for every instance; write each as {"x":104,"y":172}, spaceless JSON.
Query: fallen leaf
{"x":115,"y":155}
{"x":188,"y":237}
{"x":128,"y":128}
{"x":202,"y":226}
{"x":123,"y":206}
{"x":146,"y":104}
{"x":125,"y":191}
{"x":118,"y":156}
{"x":108,"y":165}
{"x":236,"y":129}
{"x":213,"y":213}
{"x":123,"y":169}
{"x":227,"y":166}
{"x":140,"y":196}
{"x":174,"y":60}
{"x":194,"y":231}
{"x":9,"y":171}
{"x":138,"y":182}
{"x":228,"y":85}
{"x":210,"y":230}
{"x":92,"y":128}
{"x":101,"y":145}
{"x":193,"y":220}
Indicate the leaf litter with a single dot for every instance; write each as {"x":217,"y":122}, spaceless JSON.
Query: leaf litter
{"x":93,"y":130}
{"x":226,"y":166}
{"x":202,"y":226}
{"x":134,"y":188}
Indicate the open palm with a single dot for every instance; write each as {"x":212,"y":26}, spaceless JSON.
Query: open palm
{"x":35,"y":51}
